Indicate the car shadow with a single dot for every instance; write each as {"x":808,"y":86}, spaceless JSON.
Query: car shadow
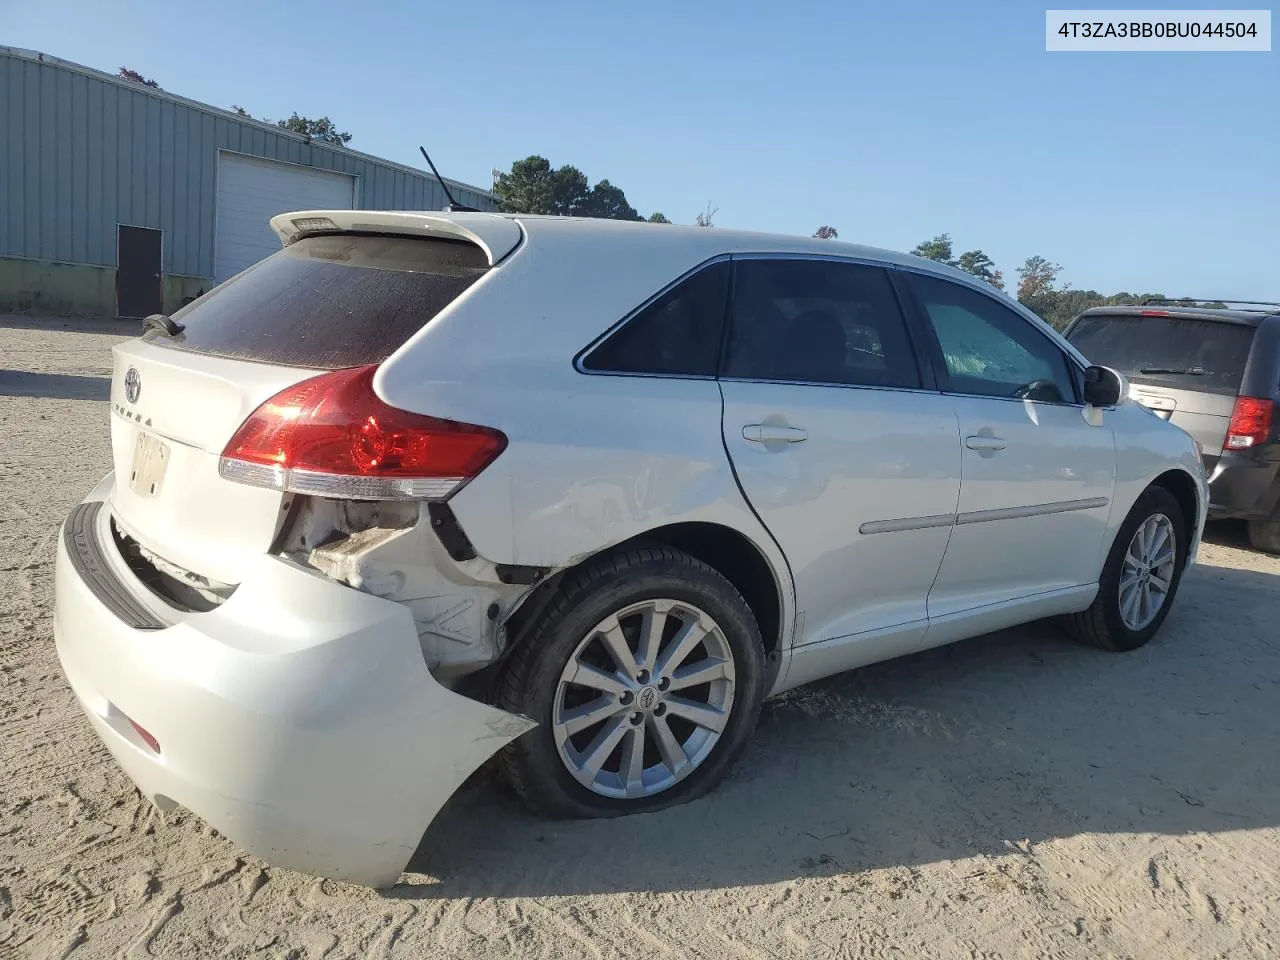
{"x":1228,"y":533}
{"x":989,"y":746}
{"x":60,"y":386}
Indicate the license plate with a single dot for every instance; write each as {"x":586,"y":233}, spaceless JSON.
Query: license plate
{"x":150,"y":458}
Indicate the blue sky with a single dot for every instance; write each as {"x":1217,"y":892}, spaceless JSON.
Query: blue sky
{"x":892,"y":121}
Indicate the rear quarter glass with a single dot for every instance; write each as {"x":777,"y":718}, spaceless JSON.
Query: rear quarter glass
{"x":331,"y":301}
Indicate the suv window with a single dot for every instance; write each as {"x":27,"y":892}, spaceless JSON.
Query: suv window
{"x":989,"y":350}
{"x":1184,"y":352}
{"x":818,"y":321}
{"x":330,"y":301}
{"x":676,"y":335}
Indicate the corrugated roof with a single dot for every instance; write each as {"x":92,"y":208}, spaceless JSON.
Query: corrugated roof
{"x":38,"y":57}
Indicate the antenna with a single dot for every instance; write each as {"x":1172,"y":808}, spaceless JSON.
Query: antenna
{"x":454,"y":206}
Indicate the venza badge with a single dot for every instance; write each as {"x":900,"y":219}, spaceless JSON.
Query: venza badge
{"x":132,"y":385}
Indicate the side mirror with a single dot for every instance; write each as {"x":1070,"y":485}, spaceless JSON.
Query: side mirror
{"x":1103,"y":387}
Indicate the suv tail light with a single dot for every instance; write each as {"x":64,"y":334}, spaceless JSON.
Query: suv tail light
{"x":333,"y":437}
{"x":1250,"y":423}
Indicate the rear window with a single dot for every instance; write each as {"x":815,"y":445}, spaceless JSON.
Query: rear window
{"x":330,"y":301}
{"x":1181,"y":352}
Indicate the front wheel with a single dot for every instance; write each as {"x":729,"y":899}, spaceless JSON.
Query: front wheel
{"x":645,"y":676}
{"x":1139,"y":579}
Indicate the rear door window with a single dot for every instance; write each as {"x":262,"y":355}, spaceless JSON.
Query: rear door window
{"x":1184,"y":353}
{"x":818,"y":321}
{"x":330,"y":301}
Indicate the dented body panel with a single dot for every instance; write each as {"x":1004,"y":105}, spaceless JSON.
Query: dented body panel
{"x":279,"y":715}
{"x":390,"y":550}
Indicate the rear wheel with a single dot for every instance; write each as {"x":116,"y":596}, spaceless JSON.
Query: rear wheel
{"x":645,"y":676}
{"x":1139,"y":579}
{"x":1265,"y":534}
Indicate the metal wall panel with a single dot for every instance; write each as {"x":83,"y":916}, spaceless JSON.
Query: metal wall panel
{"x":81,"y":151}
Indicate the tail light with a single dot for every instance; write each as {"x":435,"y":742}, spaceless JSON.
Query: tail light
{"x":332,"y":436}
{"x":1250,"y":423}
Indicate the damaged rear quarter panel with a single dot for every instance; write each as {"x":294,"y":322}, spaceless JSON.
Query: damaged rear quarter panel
{"x":592,"y":460}
{"x":390,"y":550}
{"x":551,"y":501}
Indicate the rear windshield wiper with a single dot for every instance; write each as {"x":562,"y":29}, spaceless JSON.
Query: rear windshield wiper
{"x":164,"y":323}
{"x":1187,"y":371}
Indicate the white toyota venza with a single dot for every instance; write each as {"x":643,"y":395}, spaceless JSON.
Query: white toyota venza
{"x":423,"y":487}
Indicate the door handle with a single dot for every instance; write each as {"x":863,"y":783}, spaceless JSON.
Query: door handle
{"x":773,"y":433}
{"x":985,"y":444}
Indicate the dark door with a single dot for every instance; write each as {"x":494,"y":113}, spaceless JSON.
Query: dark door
{"x":139,"y":288}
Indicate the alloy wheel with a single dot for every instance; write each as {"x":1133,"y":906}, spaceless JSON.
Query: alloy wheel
{"x":644,"y":699}
{"x":1146,"y":575}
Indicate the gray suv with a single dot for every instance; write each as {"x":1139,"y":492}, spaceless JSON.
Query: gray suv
{"x":1216,"y":374}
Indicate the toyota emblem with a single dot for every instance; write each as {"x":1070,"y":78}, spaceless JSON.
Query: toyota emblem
{"x":132,"y":385}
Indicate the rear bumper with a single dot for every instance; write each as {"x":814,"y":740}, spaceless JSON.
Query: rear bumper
{"x":298,"y":718}
{"x":1243,"y":487}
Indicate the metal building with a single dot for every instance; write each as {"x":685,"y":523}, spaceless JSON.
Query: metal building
{"x":118,"y":199}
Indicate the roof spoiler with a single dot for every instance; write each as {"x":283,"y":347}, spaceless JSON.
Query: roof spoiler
{"x":1260,"y":306}
{"x":494,"y":234}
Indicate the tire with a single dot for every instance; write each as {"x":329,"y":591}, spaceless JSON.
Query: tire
{"x":567,"y":640}
{"x":1264,"y":535}
{"x":1103,"y":624}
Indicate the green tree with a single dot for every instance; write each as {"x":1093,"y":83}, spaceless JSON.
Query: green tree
{"x":657,"y":217}
{"x":825,"y":232}
{"x":981,"y":266}
{"x":975,"y":262}
{"x":1038,"y":287}
{"x":322,"y":129}
{"x":240,"y":111}
{"x":939,"y":249}
{"x":532,"y":185}
{"x":1036,"y":277}
{"x":706,"y":217}
{"x":127,"y":74}
{"x":607,"y":202}
{"x":1059,"y":307}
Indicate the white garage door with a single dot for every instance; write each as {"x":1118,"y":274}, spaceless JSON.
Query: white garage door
{"x":252,"y":191}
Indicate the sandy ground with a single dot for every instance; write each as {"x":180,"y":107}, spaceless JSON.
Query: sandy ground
{"x":1014,"y":795}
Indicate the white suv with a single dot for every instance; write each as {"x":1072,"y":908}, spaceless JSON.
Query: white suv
{"x":421,"y":486}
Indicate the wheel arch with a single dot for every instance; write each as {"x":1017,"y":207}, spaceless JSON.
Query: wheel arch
{"x":728,"y":551}
{"x":1184,"y":489}
{"x":735,"y":557}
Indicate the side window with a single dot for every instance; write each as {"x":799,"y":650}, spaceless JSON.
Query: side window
{"x":818,"y":321}
{"x":988,"y":349}
{"x":678,"y":334}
